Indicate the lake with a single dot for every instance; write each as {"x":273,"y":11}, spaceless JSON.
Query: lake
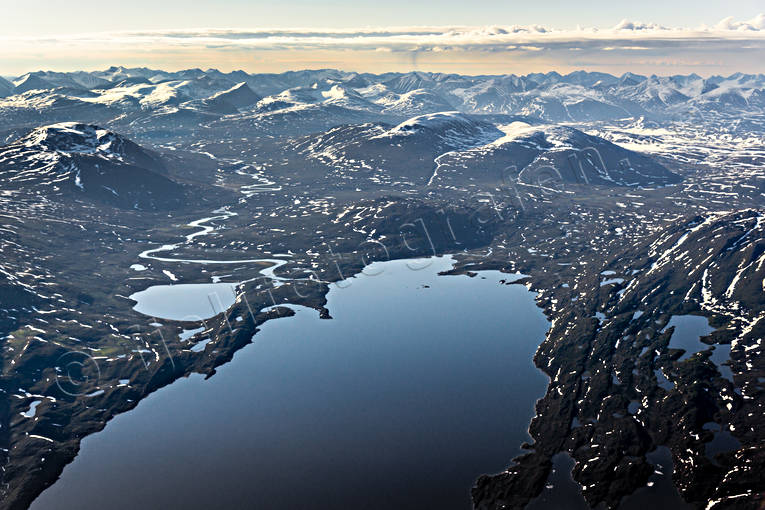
{"x":419,"y":384}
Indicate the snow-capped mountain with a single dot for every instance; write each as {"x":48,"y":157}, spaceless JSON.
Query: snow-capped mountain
{"x":419,"y":138}
{"x":31,"y":82}
{"x":384,"y":153}
{"x":238,"y":96}
{"x":451,"y":130}
{"x":6,"y":87}
{"x":76,"y":160}
{"x":450,"y":149}
{"x":148,"y":96}
{"x":539,"y":154}
{"x":412,"y":103}
{"x":73,"y":138}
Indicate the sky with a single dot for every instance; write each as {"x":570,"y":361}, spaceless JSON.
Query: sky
{"x":471,"y":37}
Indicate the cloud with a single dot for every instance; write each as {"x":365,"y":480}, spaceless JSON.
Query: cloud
{"x":755,"y":24}
{"x":633,"y":25}
{"x":627,"y":34}
{"x":729,"y":40}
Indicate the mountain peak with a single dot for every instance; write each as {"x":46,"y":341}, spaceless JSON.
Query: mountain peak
{"x":75,"y":138}
{"x":449,"y":129}
{"x":240,"y":95}
{"x":91,"y":162}
{"x":430,"y":121}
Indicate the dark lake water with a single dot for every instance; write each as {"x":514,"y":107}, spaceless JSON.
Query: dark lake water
{"x":419,"y":384}
{"x":561,"y":492}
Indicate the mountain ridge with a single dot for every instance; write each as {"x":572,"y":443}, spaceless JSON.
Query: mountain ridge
{"x":160,"y":100}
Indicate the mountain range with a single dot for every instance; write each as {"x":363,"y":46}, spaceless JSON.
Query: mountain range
{"x":153,"y":101}
{"x":629,"y":201}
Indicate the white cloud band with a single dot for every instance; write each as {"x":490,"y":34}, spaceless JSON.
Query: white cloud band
{"x":634,"y":46}
{"x":626,"y":34}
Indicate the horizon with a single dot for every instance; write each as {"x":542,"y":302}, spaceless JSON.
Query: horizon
{"x":499,"y":38}
{"x":12,"y":77}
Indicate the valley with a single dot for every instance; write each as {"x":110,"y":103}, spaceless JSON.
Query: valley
{"x":628,"y":201}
